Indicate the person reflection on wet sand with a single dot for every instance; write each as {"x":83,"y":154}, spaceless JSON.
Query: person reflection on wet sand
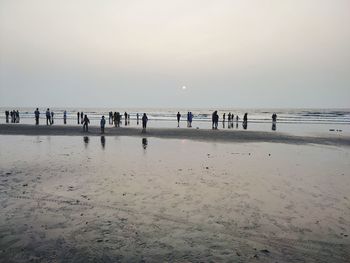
{"x":103,"y":142}
{"x":144,"y":143}
{"x":273,"y":126}
{"x":86,"y":141}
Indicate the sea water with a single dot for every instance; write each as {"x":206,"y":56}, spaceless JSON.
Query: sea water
{"x":335,"y":121}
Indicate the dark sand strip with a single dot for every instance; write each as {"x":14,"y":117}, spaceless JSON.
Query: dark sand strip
{"x":176,"y":133}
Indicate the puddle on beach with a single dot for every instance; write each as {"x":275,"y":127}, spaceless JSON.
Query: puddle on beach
{"x":110,"y":199}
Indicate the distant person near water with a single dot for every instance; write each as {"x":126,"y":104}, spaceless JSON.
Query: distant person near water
{"x":274,"y":120}
{"x":86,"y":123}
{"x":215,"y":120}
{"x":178,"y":116}
{"x":65,"y":117}
{"x":137,"y":118}
{"x":7,"y":113}
{"x":52,"y":114}
{"x":117,"y":118}
{"x":110,"y":119}
{"x":81,"y":117}
{"x":48,"y":117}
{"x":126,"y":118}
{"x":102,"y":124}
{"x":274,"y":117}
{"x":78,"y":117}
{"x":144,"y":122}
{"x":37,"y":115}
{"x":245,"y":121}
{"x":190,"y":118}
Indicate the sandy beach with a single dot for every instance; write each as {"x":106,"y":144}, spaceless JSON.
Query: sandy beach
{"x":146,"y":199}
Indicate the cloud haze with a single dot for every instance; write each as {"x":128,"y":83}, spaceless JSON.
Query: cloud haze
{"x":253,"y":53}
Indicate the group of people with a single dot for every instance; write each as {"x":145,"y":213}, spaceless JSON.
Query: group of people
{"x":189,"y":119}
{"x":14,"y":115}
{"x":49,"y":116}
{"x":116,"y":119}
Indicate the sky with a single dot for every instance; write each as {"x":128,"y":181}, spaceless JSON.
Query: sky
{"x":133,"y":53}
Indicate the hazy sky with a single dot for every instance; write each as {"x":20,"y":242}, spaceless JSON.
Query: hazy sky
{"x":247,"y":53}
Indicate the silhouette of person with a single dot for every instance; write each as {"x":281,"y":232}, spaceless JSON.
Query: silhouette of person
{"x":110,"y":119}
{"x":178,"y":116}
{"x":144,"y":143}
{"x":52,"y":114}
{"x":190,"y":117}
{"x":86,"y":123}
{"x":144,"y":122}
{"x":48,"y":117}
{"x":126,"y":118}
{"x":274,"y":119}
{"x":245,"y":121}
{"x":115,"y":119}
{"x":7,"y":113}
{"x":78,"y":117}
{"x":215,"y":119}
{"x":223,"y":117}
{"x":137,"y":118}
{"x":17,"y":116}
{"x":37,"y":115}
{"x":102,"y":124}
{"x":81,"y":117}
{"x":65,"y":117}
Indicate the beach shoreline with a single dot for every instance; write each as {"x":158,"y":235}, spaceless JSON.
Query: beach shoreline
{"x":178,"y":133}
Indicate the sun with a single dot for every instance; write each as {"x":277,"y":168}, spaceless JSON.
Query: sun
{"x":184,"y":87}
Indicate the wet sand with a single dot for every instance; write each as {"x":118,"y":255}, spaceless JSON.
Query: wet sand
{"x":130,"y":199}
{"x":180,"y":133}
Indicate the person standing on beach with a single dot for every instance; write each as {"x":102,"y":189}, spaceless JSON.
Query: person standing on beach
{"x":245,"y":121}
{"x":115,"y":119}
{"x":86,"y":123}
{"x":274,"y":117}
{"x":223,"y":117}
{"x":144,"y":122}
{"x":81,"y":117}
{"x":52,"y":114}
{"x":7,"y":113}
{"x":48,"y":116}
{"x":213,"y":120}
{"x":178,"y":116}
{"x":190,"y":117}
{"x":17,"y":116}
{"x":78,"y":117}
{"x":110,"y":117}
{"x":126,"y":118}
{"x":137,"y":118}
{"x":216,"y":120}
{"x":102,"y":124}
{"x":65,"y":117}
{"x":37,"y":115}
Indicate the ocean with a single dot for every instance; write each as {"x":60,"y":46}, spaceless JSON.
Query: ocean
{"x":288,"y":120}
